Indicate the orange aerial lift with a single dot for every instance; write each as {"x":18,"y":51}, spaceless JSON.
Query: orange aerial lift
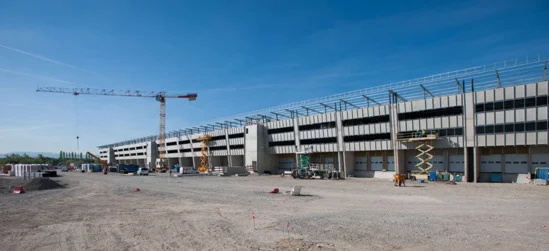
{"x":102,"y":162}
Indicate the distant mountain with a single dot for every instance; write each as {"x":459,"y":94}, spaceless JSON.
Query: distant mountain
{"x":32,"y":154}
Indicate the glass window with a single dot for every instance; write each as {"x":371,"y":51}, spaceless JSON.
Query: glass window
{"x":542,"y":101}
{"x":489,"y":107}
{"x":530,"y":102}
{"x":530,"y":126}
{"x":479,"y":108}
{"x":442,"y":132}
{"x":480,"y":130}
{"x":519,"y":103}
{"x":498,"y":106}
{"x":509,"y":104}
{"x":489,"y":129}
{"x":510,"y":128}
{"x":450,"y":132}
{"x":459,"y":131}
{"x":541,"y":126}
{"x":519,"y":127}
{"x":499,"y":128}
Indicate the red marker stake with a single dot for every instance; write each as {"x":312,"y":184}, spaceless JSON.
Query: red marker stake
{"x":288,"y":229}
{"x":253,"y":219}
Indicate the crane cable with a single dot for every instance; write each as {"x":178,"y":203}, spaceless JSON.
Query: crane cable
{"x":76,"y":124}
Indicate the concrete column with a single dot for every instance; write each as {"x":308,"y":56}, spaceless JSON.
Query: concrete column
{"x":466,"y":173}
{"x":192,"y":150}
{"x":296,"y":138}
{"x":476,"y":164}
{"x":396,"y":144}
{"x":446,"y":160}
{"x":229,"y":157}
{"x":209,"y":159}
{"x":152,"y":154}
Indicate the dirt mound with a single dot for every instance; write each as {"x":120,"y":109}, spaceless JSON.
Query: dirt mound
{"x":41,"y":184}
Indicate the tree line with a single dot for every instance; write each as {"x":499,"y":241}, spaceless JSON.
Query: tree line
{"x":41,"y":159}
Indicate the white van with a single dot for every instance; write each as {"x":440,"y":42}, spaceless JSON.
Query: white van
{"x":143,"y":171}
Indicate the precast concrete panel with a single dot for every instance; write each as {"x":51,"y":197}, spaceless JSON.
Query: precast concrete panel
{"x":452,"y":101}
{"x":490,"y":120}
{"x":500,"y":117}
{"x":542,"y":113}
{"x":520,"y":138}
{"x":444,"y":101}
{"x":520,"y":115}
{"x":499,"y":94}
{"x":531,"y":90}
{"x":516,"y":163}
{"x":490,"y":140}
{"x":480,"y":97}
{"x":500,"y":139}
{"x":531,"y":138}
{"x":423,"y":123}
{"x":489,"y":95}
{"x":520,"y":91}
{"x":542,"y":138}
{"x":436,"y":103}
{"x":510,"y":139}
{"x":531,"y":114}
{"x":543,"y":88}
{"x":510,"y":116}
{"x":509,"y":92}
{"x":445,"y":122}
{"x":407,"y":107}
{"x":453,"y":121}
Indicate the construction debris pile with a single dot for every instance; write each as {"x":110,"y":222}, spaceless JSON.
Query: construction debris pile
{"x":41,"y":184}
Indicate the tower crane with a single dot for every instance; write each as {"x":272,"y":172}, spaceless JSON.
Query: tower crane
{"x":158,"y":96}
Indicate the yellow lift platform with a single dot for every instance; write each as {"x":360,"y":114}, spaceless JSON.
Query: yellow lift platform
{"x":204,"y":153}
{"x":425,"y":147}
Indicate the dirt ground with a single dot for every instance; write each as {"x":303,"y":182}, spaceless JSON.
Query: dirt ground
{"x":98,"y":212}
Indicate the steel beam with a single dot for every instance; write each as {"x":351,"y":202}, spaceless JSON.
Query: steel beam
{"x":348,"y":103}
{"x":425,"y":92}
{"x":368,"y":100}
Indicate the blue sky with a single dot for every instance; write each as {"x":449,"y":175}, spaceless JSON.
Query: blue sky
{"x":238,"y":56}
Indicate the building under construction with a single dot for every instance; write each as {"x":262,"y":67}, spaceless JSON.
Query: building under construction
{"x":475,"y":122}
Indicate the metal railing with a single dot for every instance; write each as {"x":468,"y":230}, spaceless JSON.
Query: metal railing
{"x":496,"y":75}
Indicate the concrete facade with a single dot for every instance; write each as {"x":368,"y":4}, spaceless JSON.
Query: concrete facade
{"x":501,"y":130}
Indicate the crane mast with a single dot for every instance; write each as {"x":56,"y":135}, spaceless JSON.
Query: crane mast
{"x":159,"y":96}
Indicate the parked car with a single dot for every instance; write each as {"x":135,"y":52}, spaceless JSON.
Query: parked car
{"x":143,"y":171}
{"x":64,"y":169}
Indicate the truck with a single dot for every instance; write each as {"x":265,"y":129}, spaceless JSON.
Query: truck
{"x":127,"y":168}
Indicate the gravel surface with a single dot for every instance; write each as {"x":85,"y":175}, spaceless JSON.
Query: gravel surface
{"x":98,"y":212}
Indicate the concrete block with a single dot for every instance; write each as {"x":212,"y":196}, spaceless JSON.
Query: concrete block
{"x":540,"y":182}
